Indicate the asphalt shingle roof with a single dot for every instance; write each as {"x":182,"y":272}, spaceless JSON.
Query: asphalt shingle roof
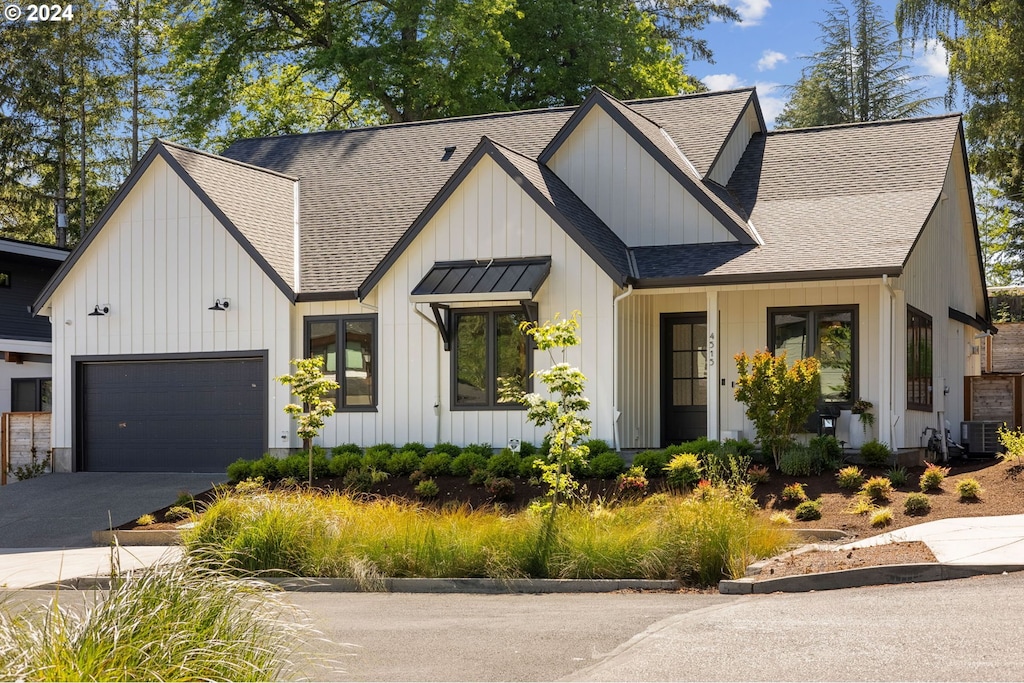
{"x":260,"y":203}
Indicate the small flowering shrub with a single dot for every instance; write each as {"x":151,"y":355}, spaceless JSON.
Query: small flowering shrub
{"x":850,"y":478}
{"x":704,"y":490}
{"x":916,"y":504}
{"x":882,"y":517}
{"x":877,"y":488}
{"x":633,"y":482}
{"x":758,"y":474}
{"x":969,"y":490}
{"x":793,"y":493}
{"x":808,"y":511}
{"x":683,"y":470}
{"x":933,"y":477}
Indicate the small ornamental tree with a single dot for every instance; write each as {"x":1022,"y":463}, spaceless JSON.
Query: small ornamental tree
{"x":560,"y":413}
{"x":779,"y":398}
{"x":309,"y":384}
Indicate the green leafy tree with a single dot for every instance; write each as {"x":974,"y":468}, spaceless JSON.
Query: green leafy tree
{"x":779,"y":397}
{"x":309,"y":384}
{"x":860,"y":73}
{"x":562,"y":412}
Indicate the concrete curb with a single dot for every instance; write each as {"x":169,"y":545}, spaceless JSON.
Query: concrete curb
{"x":127,"y":537}
{"x":482,"y":586}
{"x":862,"y":576}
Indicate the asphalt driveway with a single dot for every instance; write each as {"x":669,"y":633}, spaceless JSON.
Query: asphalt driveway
{"x":62,"y":510}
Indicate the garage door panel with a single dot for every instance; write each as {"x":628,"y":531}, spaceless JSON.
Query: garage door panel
{"x":180,"y":415}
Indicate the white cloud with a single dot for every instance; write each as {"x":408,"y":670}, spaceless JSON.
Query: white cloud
{"x":769,"y":58}
{"x":773,"y":98}
{"x":722,"y":82}
{"x":752,"y":11}
{"x":930,"y":58}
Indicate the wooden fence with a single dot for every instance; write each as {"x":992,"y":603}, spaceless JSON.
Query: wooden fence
{"x":24,"y":437}
{"x":995,"y":398}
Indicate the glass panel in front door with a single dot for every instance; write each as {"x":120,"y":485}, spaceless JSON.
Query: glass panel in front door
{"x":689,"y":364}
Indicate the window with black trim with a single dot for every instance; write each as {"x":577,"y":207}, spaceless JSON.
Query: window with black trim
{"x":828,"y":333}
{"x":348,"y":346}
{"x":489,"y":349}
{"x":31,"y":395}
{"x":919,"y":360}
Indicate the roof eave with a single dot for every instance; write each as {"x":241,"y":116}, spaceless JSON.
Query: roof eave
{"x":767,"y":278}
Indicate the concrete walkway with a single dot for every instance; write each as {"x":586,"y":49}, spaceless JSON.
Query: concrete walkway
{"x":987,"y":541}
{"x":45,"y":567}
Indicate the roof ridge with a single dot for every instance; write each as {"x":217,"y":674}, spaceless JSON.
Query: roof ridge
{"x":866,"y":124}
{"x":691,"y":95}
{"x":218,"y":157}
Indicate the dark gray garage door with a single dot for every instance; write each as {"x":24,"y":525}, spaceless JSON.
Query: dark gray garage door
{"x":170,"y":415}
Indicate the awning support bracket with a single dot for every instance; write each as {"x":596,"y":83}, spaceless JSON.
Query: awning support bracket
{"x":441,"y":317}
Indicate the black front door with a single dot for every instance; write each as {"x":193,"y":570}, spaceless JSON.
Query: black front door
{"x":684,"y":377}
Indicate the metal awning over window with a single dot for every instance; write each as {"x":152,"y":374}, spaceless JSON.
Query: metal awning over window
{"x":493,"y":280}
{"x":504,"y":280}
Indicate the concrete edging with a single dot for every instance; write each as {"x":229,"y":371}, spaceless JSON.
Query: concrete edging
{"x":861,"y":576}
{"x":126,"y":537}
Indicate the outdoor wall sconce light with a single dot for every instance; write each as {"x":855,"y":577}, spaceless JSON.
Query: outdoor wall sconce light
{"x":220,"y":305}
{"x":100,"y":310}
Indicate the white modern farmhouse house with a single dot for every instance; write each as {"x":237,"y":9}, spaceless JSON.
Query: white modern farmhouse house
{"x":406,"y":255}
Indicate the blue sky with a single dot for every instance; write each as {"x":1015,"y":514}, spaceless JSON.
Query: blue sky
{"x":766,"y":51}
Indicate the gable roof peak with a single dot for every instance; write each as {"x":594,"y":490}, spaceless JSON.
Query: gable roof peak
{"x":210,"y":155}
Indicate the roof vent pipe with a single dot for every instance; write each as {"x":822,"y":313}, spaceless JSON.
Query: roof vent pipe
{"x":448,"y":152}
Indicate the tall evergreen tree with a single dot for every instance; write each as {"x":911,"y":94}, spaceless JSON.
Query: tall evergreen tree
{"x":859,"y":74}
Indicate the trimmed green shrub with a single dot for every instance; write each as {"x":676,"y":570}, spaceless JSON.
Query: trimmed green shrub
{"x":436,"y":464}
{"x":877,"y":488}
{"x":357,"y":481}
{"x":377,"y":457}
{"x":240,"y":470}
{"x":799,"y":461}
{"x":850,"y":477}
{"x":528,"y":466}
{"x":479,"y":477}
{"x":875,"y":453}
{"x":416,"y":447}
{"x":740,"y":447}
{"x":343,"y":462}
{"x":597,"y":446}
{"x":503,"y":464}
{"x":295,"y":465}
{"x":917,"y":504}
{"x":403,"y":463}
{"x":449,"y":448}
{"x":267,"y":467}
{"x":427,"y":488}
{"x":932,"y":478}
{"x":969,"y":490}
{"x":827,"y":452}
{"x":347,"y":448}
{"x":467,"y":462}
{"x":899,"y":476}
{"x":683,"y":470}
{"x":702,"y":446}
{"x":607,"y":465}
{"x":483,"y":449}
{"x":808,"y":511}
{"x":527,"y":449}
{"x":652,"y":462}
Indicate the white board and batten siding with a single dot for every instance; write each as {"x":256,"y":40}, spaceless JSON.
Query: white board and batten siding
{"x":629,"y":190}
{"x":743,"y":326}
{"x":734,"y":147}
{"x":943,"y":273}
{"x":160,"y":262}
{"x":487,"y":216}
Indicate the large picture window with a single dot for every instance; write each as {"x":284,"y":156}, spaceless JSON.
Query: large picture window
{"x":489,"y":350}
{"x":919,"y":360}
{"x":31,"y":395}
{"x":827,"y":333}
{"x":348,"y":346}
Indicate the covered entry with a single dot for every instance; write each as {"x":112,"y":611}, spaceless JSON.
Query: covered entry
{"x":684,"y":377}
{"x":174,"y":414}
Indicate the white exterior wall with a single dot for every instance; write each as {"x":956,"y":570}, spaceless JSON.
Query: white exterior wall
{"x":943,"y":272}
{"x":629,"y":190}
{"x":743,"y":327}
{"x":160,"y":262}
{"x":488,"y":216}
{"x":735,"y":146}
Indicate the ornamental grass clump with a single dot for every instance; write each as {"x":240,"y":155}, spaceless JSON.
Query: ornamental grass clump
{"x":882,"y":517}
{"x":932,"y":478}
{"x":878,"y":489}
{"x":186,"y":621}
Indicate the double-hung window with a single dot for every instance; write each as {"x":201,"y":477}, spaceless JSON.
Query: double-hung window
{"x":31,"y":395}
{"x":489,"y":351}
{"x":348,"y":346}
{"x":828,"y":333}
{"x":919,"y":360}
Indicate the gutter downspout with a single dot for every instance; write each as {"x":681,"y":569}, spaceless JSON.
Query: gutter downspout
{"x":616,"y":414}
{"x":437,"y":396}
{"x":892,"y":356}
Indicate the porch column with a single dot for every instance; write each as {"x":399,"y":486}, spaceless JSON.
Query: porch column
{"x":885,"y":377}
{"x":714,"y":369}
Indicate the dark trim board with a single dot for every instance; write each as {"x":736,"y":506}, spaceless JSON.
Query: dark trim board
{"x":79,"y":364}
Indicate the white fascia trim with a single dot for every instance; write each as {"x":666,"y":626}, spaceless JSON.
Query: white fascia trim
{"x":672,"y":142}
{"x":33,"y":250}
{"x":23,"y":346}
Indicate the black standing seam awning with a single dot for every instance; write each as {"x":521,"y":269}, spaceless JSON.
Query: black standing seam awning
{"x":495,"y":280}
{"x":480,"y":281}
